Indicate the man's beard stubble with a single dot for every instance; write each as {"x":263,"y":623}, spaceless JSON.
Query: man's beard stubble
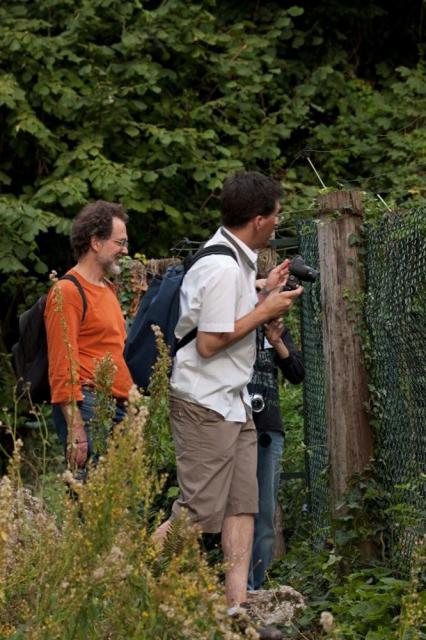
{"x":110,"y":267}
{"x":114,"y":269}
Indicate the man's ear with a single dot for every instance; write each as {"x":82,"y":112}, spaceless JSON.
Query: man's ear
{"x":95,"y":243}
{"x":258,"y":222}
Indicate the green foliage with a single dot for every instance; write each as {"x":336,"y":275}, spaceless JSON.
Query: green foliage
{"x":95,"y":571}
{"x":154,"y":104}
{"x":104,"y":408}
{"x":20,"y":224}
{"x":350,"y":575}
{"x":158,"y":433}
{"x":159,"y":445}
{"x":293,"y":493}
{"x":129,"y":285}
{"x":367,"y":603}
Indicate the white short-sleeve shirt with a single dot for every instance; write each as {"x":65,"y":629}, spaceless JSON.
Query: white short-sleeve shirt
{"x":215,"y":293}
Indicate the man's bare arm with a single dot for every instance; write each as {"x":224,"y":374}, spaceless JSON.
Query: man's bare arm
{"x":277,"y":303}
{"x":77,"y":446}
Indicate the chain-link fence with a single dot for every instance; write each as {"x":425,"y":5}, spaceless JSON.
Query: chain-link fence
{"x":396,"y":322}
{"x":314,"y":389}
{"x":396,"y":318}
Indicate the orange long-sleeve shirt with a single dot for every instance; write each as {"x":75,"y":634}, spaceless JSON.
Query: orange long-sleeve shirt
{"x":102,"y":331}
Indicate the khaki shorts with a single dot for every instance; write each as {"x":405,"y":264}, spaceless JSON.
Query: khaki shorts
{"x":216,"y":465}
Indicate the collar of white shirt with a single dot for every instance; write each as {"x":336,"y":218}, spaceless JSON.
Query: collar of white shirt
{"x":248,"y":255}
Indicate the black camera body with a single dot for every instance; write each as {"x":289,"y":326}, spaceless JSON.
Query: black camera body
{"x":299,"y":272}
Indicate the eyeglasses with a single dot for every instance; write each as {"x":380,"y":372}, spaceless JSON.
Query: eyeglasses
{"x":121,"y":243}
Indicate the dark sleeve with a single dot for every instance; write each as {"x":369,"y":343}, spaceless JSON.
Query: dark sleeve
{"x":292,"y":367}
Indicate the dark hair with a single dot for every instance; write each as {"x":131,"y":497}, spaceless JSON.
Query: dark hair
{"x":248,"y":194}
{"x":94,"y":219}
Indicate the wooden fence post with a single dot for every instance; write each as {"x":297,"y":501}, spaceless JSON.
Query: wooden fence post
{"x":350,"y":440}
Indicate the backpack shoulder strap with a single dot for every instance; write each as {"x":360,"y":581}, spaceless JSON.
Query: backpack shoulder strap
{"x":75,"y":280}
{"x":213,"y":249}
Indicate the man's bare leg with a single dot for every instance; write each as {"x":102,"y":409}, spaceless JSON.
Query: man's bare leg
{"x":161,"y":532}
{"x":237,"y":541}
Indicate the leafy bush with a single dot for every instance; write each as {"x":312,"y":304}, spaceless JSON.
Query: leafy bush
{"x":154,"y":104}
{"x":370,"y":603}
{"x":97,"y":573}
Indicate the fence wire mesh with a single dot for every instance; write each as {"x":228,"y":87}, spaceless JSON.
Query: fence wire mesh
{"x":396,"y":319}
{"x":396,"y":323}
{"x":314,"y":389}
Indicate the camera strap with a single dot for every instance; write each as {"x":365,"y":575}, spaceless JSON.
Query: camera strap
{"x":260,"y":339}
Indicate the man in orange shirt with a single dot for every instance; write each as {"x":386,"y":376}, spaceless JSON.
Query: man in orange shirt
{"x":77,"y":340}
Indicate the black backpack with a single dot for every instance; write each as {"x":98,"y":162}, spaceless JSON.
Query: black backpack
{"x":160,"y":306}
{"x":30,"y":352}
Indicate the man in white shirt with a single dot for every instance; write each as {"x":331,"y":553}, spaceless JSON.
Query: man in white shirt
{"x":215,"y":437}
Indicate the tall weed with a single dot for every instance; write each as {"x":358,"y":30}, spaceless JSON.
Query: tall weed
{"x":98,"y":574}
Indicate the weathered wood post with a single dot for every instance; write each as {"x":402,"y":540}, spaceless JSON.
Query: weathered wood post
{"x":350,"y":438}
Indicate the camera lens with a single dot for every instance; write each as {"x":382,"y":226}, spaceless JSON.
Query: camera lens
{"x":257,"y":402}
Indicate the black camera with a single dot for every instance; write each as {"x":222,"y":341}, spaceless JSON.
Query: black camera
{"x":299,"y":272}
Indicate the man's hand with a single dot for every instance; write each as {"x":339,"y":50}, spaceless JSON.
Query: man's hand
{"x":278,"y":276}
{"x":260,"y":284}
{"x":77,"y":446}
{"x":274,"y":330}
{"x":279,"y":302}
{"x":77,"y":449}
